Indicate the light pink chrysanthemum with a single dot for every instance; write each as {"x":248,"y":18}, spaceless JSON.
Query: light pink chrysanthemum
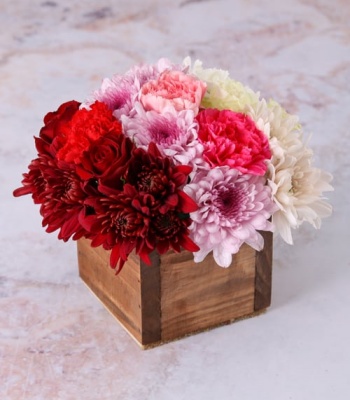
{"x":232,"y":208}
{"x":174,"y":132}
{"x":120,"y":92}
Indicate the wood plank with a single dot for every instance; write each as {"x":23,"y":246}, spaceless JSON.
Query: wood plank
{"x":121,"y":294}
{"x":263,"y":278}
{"x":150,"y":300}
{"x":199,"y":296}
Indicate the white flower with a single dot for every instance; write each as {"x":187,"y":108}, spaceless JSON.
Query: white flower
{"x":296,"y":186}
{"x":222,"y":92}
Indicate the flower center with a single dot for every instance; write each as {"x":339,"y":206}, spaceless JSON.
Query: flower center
{"x":229,"y":201}
{"x":163,"y":132}
{"x":150,"y":182}
{"x":167,"y":226}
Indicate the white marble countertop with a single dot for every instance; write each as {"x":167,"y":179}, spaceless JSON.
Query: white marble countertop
{"x":56,"y":340}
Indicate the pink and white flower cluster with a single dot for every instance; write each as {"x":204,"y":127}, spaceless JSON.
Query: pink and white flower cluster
{"x":243,"y":171}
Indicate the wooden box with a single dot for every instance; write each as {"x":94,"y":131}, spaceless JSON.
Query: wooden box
{"x":176,"y":297}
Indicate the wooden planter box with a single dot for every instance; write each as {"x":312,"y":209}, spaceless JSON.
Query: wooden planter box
{"x":176,"y":297}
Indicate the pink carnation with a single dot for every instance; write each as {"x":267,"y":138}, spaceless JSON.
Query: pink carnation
{"x":233,"y":139}
{"x":232,"y":208}
{"x":120,"y":92}
{"x":173,"y":89}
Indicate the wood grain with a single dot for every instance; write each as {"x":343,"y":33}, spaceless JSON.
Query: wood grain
{"x":199,"y":296}
{"x":175,"y":297}
{"x":150,"y":300}
{"x":120,"y":294}
{"x":263,"y":278}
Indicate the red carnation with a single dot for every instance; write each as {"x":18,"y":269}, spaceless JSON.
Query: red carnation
{"x":84,"y":128}
{"x":232,"y":139}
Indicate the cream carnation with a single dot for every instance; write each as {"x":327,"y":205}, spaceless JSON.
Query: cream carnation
{"x":222,"y":92}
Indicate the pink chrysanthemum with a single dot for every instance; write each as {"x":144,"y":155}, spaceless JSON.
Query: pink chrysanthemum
{"x":174,"y":132}
{"x":232,"y":208}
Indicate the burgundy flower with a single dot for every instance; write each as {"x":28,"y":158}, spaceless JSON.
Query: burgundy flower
{"x":232,"y":139}
{"x":121,"y":223}
{"x":59,"y":190}
{"x":64,"y":201}
{"x":34,"y":182}
{"x":150,"y":212}
{"x":154,"y":174}
{"x":170,"y":230}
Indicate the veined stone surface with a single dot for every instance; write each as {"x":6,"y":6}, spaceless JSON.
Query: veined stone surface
{"x":56,"y":339}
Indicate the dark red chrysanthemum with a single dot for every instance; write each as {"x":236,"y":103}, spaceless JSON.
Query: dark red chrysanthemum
{"x":151,"y":173}
{"x":151,"y":212}
{"x":170,"y":230}
{"x":121,"y":223}
{"x":59,"y":190}
{"x":34,"y":182}
{"x":232,"y":139}
{"x":64,"y":201}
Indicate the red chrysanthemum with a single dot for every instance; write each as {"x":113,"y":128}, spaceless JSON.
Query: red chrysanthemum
{"x":59,"y":190}
{"x":63,"y":203}
{"x":151,"y":212}
{"x":232,"y":139}
{"x":154,"y":174}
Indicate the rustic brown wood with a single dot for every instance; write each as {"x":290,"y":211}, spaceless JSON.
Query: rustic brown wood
{"x":120,"y":294}
{"x":198,"y":296}
{"x":263,"y":276}
{"x":150,"y":300}
{"x":175,"y":296}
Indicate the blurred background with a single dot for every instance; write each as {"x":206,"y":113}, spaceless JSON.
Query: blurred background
{"x":56,"y":340}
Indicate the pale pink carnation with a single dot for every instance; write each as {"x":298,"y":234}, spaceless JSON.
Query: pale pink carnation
{"x":232,"y":208}
{"x":173,"y":89}
{"x":174,"y":132}
{"x":120,"y":92}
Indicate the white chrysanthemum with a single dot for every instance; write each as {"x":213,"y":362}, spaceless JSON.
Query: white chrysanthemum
{"x":222,"y":92}
{"x":296,"y":186}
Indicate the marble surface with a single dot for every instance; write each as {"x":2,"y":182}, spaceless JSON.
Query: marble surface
{"x":56,"y":340}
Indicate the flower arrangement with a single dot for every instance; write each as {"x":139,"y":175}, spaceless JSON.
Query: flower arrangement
{"x":175,"y":157}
